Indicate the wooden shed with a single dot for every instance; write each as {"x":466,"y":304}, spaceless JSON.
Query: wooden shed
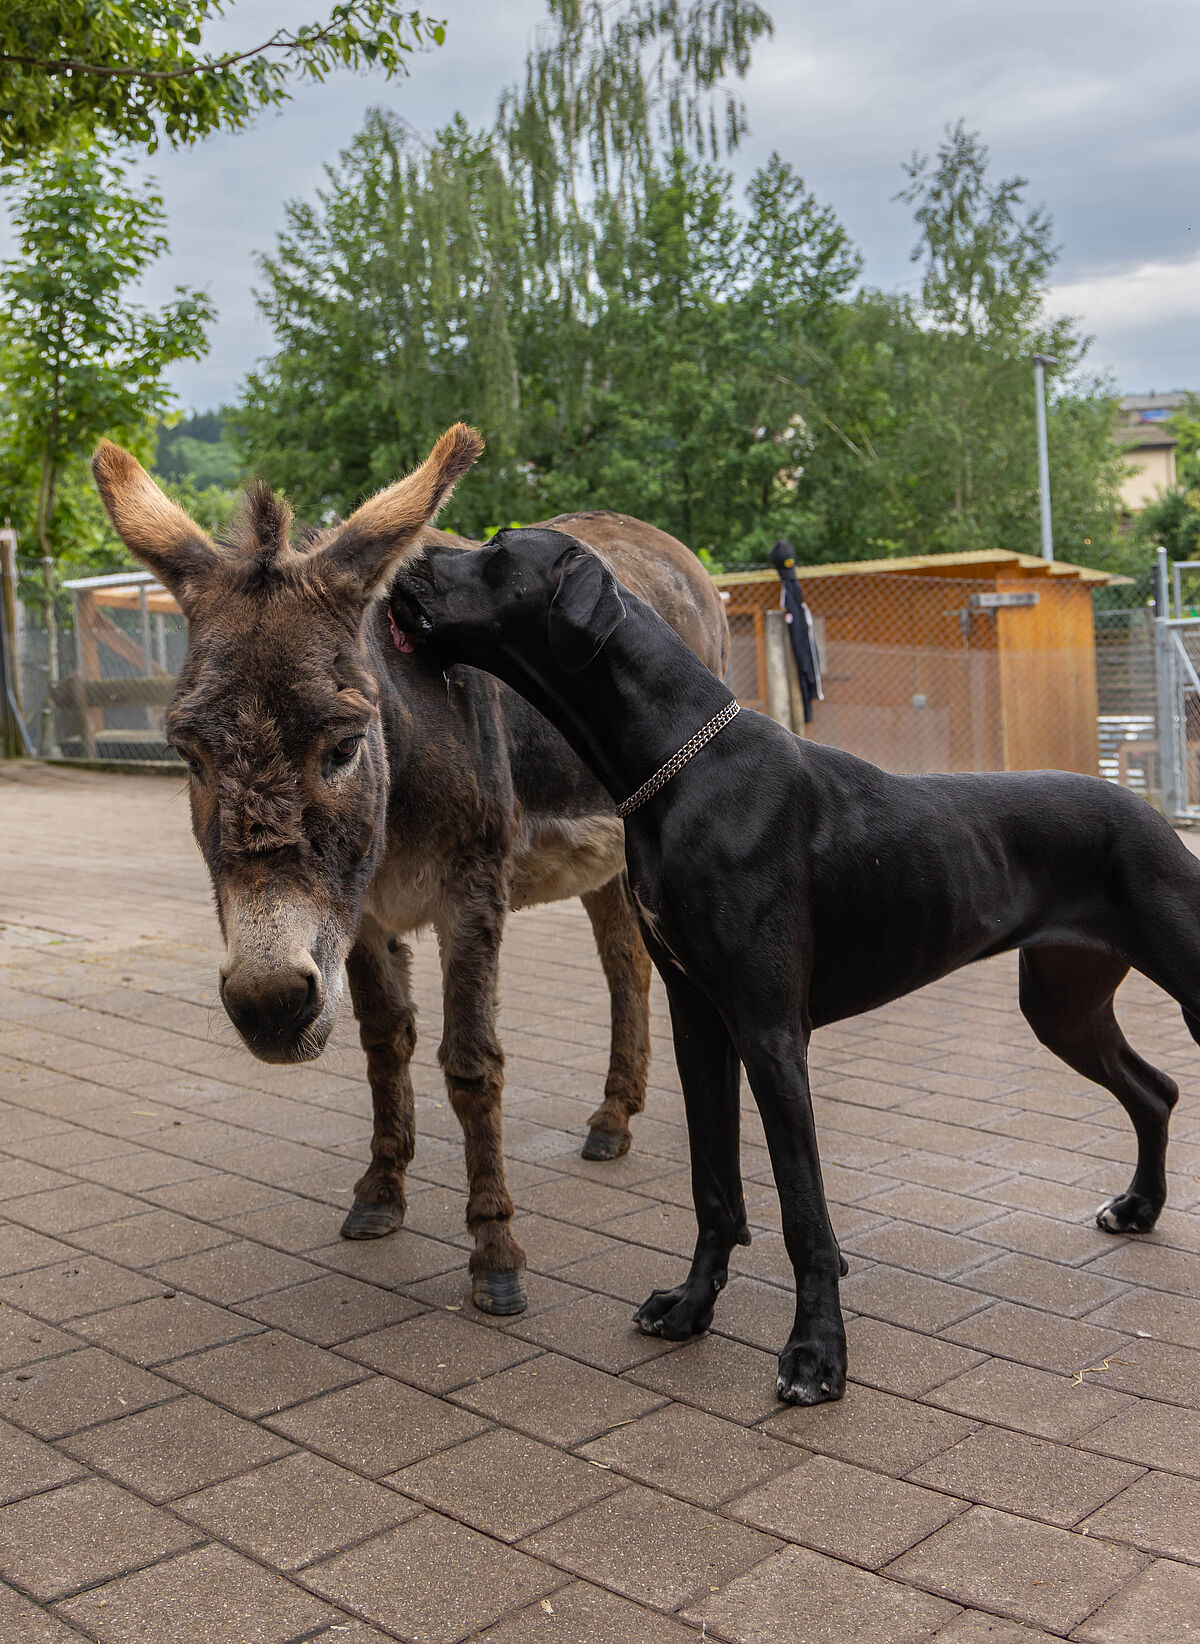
{"x":979,"y":661}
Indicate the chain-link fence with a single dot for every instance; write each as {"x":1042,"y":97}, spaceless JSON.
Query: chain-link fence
{"x":951,"y":662}
{"x":970,"y":662}
{"x":96,"y":659}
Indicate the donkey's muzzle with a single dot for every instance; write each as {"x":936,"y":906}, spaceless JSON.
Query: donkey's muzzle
{"x":273,"y":1012}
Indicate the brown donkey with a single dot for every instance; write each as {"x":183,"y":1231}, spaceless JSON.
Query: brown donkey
{"x":345,"y":793}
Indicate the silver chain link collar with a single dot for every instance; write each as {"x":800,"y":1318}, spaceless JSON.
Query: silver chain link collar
{"x":678,"y":760}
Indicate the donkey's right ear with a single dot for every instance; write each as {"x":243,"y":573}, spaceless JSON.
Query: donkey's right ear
{"x":150,"y":525}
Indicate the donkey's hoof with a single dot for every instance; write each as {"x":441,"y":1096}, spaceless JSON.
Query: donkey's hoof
{"x":371,"y":1221}
{"x":1127,"y":1213}
{"x":499,"y":1292}
{"x":606,"y":1144}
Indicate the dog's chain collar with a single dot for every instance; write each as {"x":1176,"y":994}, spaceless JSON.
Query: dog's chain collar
{"x":678,"y":760}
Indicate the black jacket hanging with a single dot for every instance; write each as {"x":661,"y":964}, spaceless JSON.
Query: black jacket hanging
{"x":800,"y":628}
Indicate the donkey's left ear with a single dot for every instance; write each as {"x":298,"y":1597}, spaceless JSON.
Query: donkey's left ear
{"x":387,"y":526}
{"x":584,"y":611}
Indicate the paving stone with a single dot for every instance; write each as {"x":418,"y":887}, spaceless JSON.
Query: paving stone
{"x":920,"y":1249}
{"x":293,"y":1511}
{"x":176,"y":1448}
{"x":759,"y":1314}
{"x":1158,"y":1435}
{"x":403,"y":1258}
{"x":263,"y":1373}
{"x":691,"y":1454}
{"x":1018,"y":1568}
{"x":399,"y":1580}
{"x":651,"y":1548}
{"x":23,"y":1623}
{"x":845,"y":1511}
{"x":1153,"y":1264}
{"x":556,"y":1399}
{"x":1040,"y":1339}
{"x":597,"y":1329}
{"x":802,"y":1597}
{"x":1156,"y":1313}
{"x":23,"y":1339}
{"x":1162,"y":1604}
{"x":153,"y":1236}
{"x":872,"y":1428}
{"x":439,"y":1351}
{"x":902,"y":1361}
{"x":27,"y":1465}
{"x":629,"y":1272}
{"x":58,"y":1396}
{"x":1067,"y":1291}
{"x":330,"y":1310}
{"x":505,"y":1484}
{"x":1158,"y":1370}
{"x":20,"y":1249}
{"x":583,"y":1614}
{"x":377,"y":1426}
{"x":1025,"y":1475}
{"x":213,"y":1594}
{"x":908,"y":1299}
{"x":1034,"y":1401}
{"x":930,"y":1206}
{"x":163,"y":1327}
{"x":53,"y":1544}
{"x":235,"y":1272}
{"x":215,"y":1195}
{"x":974,"y":1627}
{"x":1048,"y":1237}
{"x":295,"y":1225}
{"x":724,"y":1377}
{"x":1159,"y":1512}
{"x":80,"y":1205}
{"x":78,"y":1284}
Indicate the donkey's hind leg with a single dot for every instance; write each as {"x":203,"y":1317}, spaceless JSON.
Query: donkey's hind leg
{"x":1067,"y":998}
{"x":627,"y":971}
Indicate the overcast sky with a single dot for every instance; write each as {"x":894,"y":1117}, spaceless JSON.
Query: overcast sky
{"x":1093,"y":100}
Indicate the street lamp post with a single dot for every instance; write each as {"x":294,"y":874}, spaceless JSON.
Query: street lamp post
{"x":1040,"y":362}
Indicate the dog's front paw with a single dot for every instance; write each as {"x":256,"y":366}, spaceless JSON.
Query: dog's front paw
{"x":677,"y":1314}
{"x":814,"y":1371}
{"x":1127,"y":1213}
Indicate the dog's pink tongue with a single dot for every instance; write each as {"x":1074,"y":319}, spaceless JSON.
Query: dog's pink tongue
{"x":399,"y":638}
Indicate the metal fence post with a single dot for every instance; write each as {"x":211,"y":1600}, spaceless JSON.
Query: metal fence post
{"x":14,"y":738}
{"x":1164,"y":670}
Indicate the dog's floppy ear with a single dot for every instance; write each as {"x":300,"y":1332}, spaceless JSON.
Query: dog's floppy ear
{"x":584,"y":611}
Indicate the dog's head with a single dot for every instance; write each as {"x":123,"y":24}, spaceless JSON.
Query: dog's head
{"x":533,"y":596}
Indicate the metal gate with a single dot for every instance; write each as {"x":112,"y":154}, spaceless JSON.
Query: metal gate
{"x":1177,"y":662}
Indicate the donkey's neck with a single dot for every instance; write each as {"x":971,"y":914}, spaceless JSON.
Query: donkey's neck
{"x":631,"y":708}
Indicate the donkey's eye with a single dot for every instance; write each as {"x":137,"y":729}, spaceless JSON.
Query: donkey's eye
{"x":190,"y":760}
{"x":342,"y":752}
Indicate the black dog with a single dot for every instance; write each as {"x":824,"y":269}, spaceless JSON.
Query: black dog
{"x":783,"y":885}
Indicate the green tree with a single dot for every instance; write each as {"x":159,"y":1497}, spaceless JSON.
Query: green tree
{"x":78,"y":359}
{"x":1172,"y":519}
{"x":140,"y":72}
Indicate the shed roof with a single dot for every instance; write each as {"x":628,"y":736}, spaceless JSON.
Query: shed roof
{"x":979,"y":562}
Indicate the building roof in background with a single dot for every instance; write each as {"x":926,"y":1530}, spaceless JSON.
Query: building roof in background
{"x":1141,"y":436}
{"x":979,"y":562}
{"x":1155,"y":402}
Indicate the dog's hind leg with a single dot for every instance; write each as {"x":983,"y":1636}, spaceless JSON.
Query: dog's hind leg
{"x":1067,"y":998}
{"x":709,"y":1072}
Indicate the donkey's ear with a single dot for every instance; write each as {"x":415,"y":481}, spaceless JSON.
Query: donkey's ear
{"x":379,"y":533}
{"x":584,"y":611}
{"x":149,"y":523}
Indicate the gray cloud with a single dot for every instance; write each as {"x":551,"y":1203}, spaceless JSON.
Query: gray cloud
{"x":1093,"y":100}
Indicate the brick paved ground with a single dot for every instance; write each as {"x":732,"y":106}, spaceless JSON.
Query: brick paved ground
{"x":222,"y":1425}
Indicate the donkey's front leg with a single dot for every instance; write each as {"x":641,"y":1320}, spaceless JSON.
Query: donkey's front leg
{"x":469,"y":930}
{"x":627,"y":971}
{"x":378,"y":970}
